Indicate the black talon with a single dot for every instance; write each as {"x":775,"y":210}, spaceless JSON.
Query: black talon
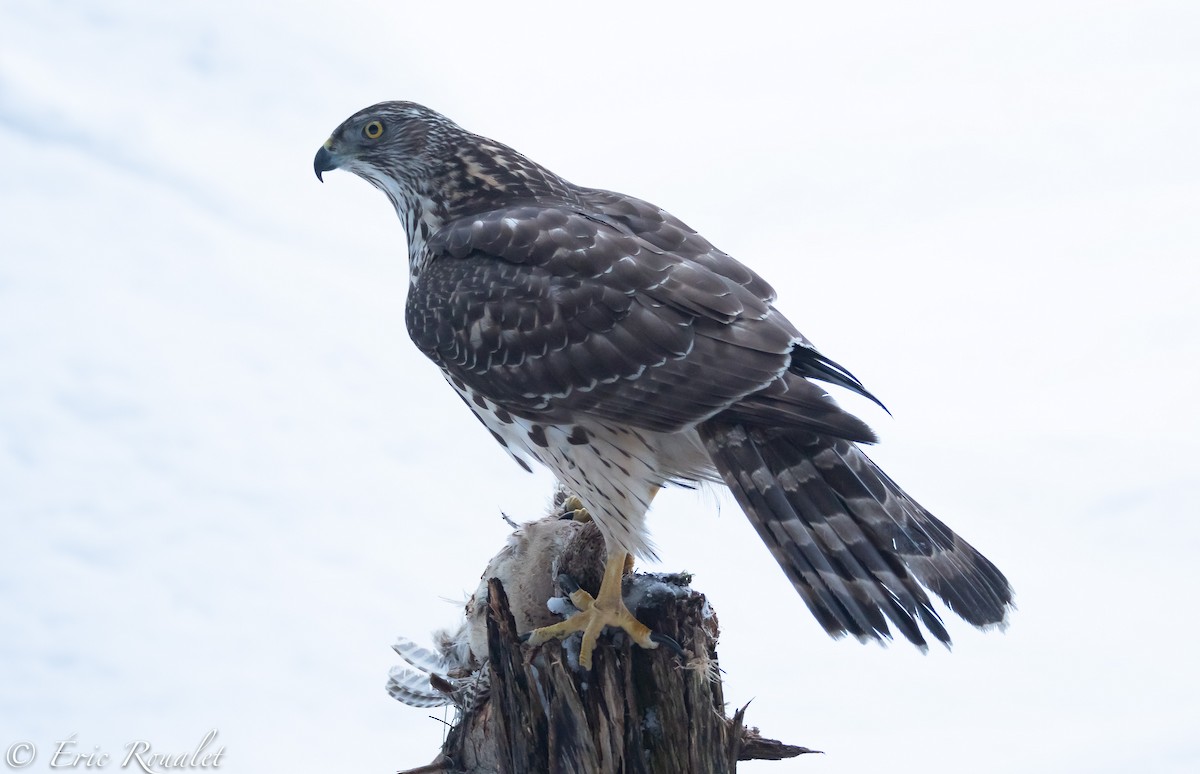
{"x":525,"y":637}
{"x":567,"y":584}
{"x":670,"y":642}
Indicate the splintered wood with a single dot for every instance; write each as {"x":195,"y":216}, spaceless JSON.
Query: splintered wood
{"x":636,"y":712}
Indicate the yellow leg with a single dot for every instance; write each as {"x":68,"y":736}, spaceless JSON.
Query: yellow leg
{"x":606,"y":609}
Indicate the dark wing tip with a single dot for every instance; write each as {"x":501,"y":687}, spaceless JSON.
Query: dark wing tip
{"x":812,"y":364}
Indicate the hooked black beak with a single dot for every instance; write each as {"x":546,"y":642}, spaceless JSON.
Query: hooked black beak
{"x":324,"y":162}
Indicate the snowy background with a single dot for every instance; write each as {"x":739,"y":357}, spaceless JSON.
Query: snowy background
{"x":227,"y":479}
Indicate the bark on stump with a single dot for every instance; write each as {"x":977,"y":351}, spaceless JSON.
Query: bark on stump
{"x":636,"y":712}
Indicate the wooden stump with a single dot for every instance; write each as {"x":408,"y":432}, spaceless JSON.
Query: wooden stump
{"x":635,"y":712}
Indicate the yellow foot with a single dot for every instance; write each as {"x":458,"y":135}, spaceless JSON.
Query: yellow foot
{"x":591,"y":620}
{"x":606,"y":609}
{"x":572,"y":508}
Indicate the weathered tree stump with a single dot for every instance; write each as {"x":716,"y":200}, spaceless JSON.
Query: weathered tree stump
{"x":635,"y":712}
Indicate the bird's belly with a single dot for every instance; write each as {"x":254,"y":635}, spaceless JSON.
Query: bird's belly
{"x":614,"y":469}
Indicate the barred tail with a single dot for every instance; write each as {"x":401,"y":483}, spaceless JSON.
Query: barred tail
{"x":855,"y":546}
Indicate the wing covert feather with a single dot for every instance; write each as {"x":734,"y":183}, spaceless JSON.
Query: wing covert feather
{"x":551,"y":313}
{"x":622,"y":314}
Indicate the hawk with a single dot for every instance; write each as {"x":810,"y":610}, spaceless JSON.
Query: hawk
{"x":598,"y":335}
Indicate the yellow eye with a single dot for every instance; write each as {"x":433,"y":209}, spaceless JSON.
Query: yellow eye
{"x":373,"y":130}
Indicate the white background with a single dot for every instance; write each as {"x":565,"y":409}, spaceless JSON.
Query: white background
{"x":227,"y":479}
